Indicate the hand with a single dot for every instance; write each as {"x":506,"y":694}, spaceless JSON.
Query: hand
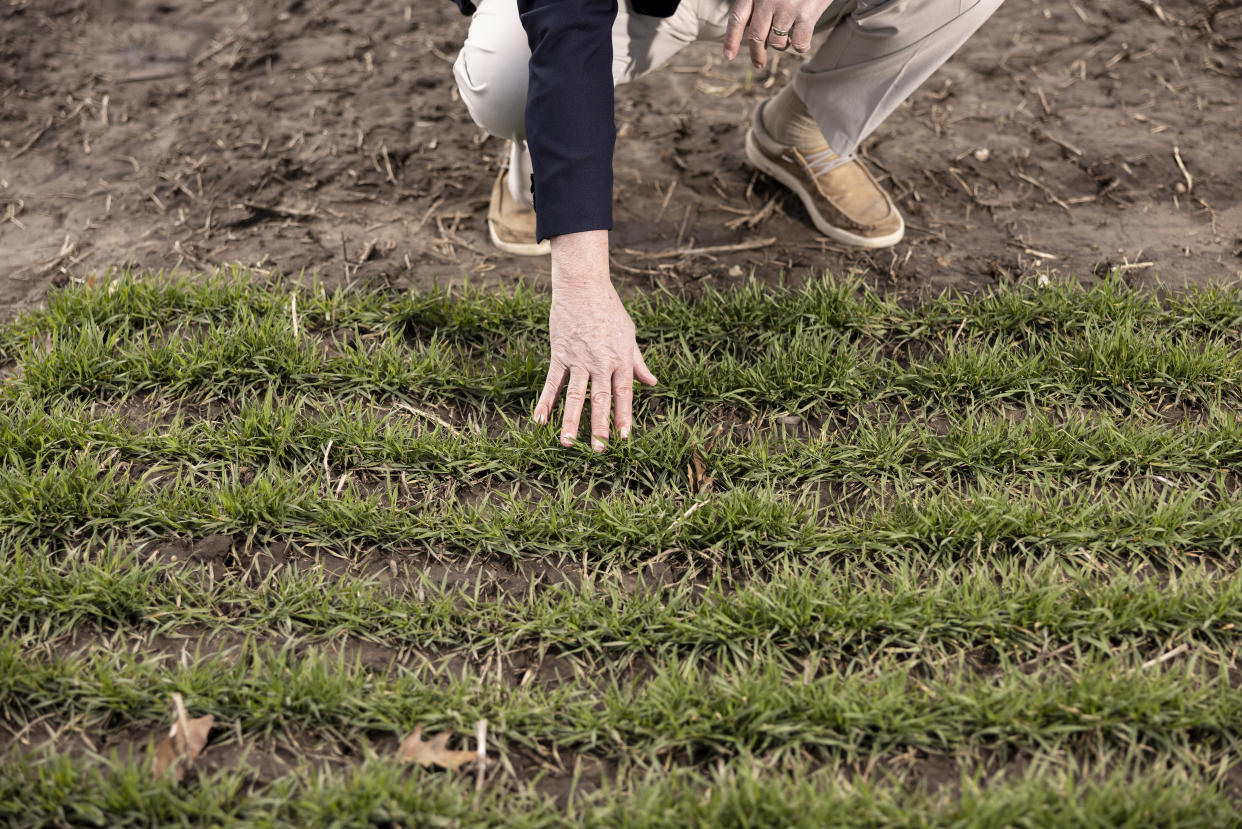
{"x":592,"y":340}
{"x":757,"y":19}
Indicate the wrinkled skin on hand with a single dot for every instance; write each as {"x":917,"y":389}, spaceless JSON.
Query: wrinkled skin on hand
{"x":592,"y":343}
{"x":756,"y":19}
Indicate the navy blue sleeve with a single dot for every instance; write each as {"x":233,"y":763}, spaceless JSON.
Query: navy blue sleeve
{"x":569,"y":117}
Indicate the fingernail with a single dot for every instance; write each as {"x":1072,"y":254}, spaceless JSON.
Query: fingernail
{"x":598,"y":445}
{"x":540,"y":418}
{"x":567,"y":441}
{"x":624,"y":431}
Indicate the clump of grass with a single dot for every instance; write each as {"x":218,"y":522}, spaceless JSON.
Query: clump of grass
{"x":976,"y":530}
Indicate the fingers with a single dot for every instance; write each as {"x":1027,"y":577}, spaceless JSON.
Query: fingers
{"x":739,"y":16}
{"x":575,"y":396}
{"x":641,"y":371}
{"x":601,"y":409}
{"x":757,"y":33}
{"x":557,"y":375}
{"x":782,"y":21}
{"x":800,"y":35}
{"x":623,"y":392}
{"x":623,"y":400}
{"x":612,"y":395}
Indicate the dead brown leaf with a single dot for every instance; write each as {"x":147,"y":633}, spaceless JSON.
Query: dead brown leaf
{"x":185,"y":741}
{"x":433,"y":752}
{"x":696,"y":470}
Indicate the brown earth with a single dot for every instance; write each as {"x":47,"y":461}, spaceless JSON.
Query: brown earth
{"x":325,"y":136}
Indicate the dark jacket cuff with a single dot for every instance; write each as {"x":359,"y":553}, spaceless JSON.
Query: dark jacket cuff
{"x":574,"y":200}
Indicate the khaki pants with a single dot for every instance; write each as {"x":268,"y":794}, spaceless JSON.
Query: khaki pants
{"x":876,"y":54}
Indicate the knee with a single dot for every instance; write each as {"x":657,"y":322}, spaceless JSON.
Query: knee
{"x":908,"y":21}
{"x":986,"y":8}
{"x":492,"y":74}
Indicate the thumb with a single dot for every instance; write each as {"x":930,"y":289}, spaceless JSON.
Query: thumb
{"x":641,"y":371}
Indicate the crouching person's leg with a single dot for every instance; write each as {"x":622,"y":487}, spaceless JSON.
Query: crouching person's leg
{"x":491,"y":72}
{"x":876,"y":54}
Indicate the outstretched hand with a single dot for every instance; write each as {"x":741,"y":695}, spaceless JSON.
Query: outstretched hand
{"x":593,"y":343}
{"x":758,"y":18}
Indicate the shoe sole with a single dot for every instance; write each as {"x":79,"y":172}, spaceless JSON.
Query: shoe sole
{"x":543,"y":248}
{"x":761,"y":162}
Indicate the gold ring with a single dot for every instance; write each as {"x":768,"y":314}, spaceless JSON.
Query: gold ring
{"x":780,"y":33}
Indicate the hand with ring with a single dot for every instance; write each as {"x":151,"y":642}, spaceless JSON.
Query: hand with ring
{"x":778,"y":24}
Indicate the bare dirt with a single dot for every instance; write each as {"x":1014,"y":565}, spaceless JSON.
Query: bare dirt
{"x":328,"y":136}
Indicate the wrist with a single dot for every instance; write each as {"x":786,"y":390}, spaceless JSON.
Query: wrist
{"x":580,"y":261}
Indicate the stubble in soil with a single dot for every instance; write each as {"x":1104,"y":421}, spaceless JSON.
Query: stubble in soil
{"x":329,"y":137}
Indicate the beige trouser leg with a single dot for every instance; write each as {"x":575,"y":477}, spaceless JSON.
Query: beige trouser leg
{"x":876,"y":54}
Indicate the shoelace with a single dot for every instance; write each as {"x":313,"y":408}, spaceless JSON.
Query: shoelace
{"x":822,"y":161}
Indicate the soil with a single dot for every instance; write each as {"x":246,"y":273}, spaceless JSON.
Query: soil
{"x":328,"y":136}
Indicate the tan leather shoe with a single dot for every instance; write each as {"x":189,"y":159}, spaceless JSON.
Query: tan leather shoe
{"x":512,"y":225}
{"x":846,"y":204}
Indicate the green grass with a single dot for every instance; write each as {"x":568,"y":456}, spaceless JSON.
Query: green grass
{"x":986,"y":574}
{"x":378,"y":793}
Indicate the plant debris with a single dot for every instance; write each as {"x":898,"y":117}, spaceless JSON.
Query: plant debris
{"x":696,"y":470}
{"x":185,"y":741}
{"x":435,"y":751}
